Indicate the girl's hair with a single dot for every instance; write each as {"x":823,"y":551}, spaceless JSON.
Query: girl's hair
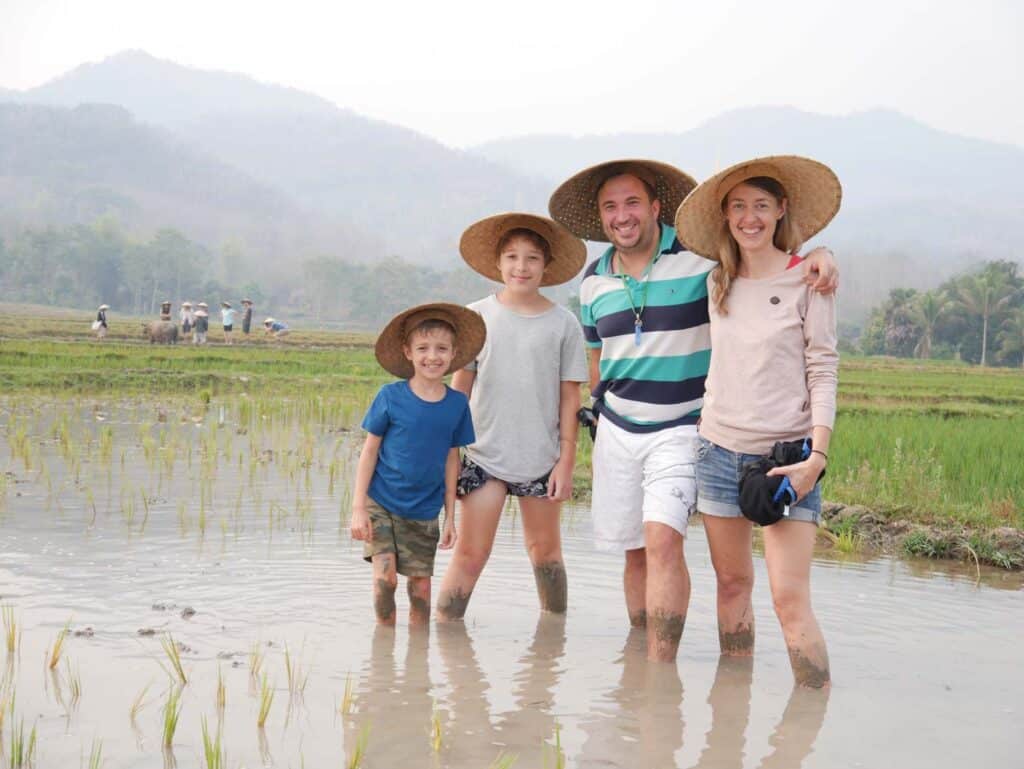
{"x":530,"y":236}
{"x":786,"y":238}
{"x":431,"y":324}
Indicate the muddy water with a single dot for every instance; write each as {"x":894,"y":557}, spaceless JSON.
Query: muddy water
{"x":927,"y":661}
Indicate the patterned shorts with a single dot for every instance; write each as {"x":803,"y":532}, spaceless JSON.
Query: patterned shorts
{"x":472,"y":477}
{"x":413,"y":542}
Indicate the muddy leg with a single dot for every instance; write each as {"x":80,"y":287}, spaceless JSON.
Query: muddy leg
{"x":543,"y":538}
{"x":419,"y":600}
{"x":788,"y":547}
{"x":478,"y":523}
{"x":385,"y":581}
{"x":668,"y":591}
{"x":634,"y":584}
{"x":729,"y":540}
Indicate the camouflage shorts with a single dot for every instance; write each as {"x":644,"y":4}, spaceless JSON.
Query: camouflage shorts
{"x":413,"y":542}
{"x":472,"y":477}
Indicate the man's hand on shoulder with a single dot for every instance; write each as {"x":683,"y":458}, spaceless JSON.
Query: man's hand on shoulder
{"x":821,"y":271}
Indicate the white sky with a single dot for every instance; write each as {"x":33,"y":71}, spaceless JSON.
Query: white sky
{"x":465,"y":71}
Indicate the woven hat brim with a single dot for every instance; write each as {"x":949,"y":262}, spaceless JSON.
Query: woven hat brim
{"x":574,"y":203}
{"x":479,"y":246}
{"x":470,"y":333}
{"x":812,"y":190}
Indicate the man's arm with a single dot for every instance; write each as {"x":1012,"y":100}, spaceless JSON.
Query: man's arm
{"x":594,"y":363}
{"x":821,"y":270}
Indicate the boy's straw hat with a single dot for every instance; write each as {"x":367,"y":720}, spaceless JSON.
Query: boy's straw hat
{"x":470,"y":334}
{"x":479,"y":246}
{"x":574,"y":203}
{"x":104,"y":307}
{"x":812,"y":190}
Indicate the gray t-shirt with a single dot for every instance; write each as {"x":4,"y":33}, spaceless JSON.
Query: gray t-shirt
{"x":517,"y":389}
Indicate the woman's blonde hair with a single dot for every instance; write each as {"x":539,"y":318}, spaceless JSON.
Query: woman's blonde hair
{"x":786,"y":238}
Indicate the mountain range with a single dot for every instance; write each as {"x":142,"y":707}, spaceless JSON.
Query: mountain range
{"x":288,"y":174}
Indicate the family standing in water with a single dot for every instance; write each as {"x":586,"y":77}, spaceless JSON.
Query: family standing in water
{"x":709,"y":347}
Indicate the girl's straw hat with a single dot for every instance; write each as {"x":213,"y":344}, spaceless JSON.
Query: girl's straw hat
{"x":479,"y":246}
{"x":574,"y":203}
{"x":470,"y":334}
{"x":812,"y":190}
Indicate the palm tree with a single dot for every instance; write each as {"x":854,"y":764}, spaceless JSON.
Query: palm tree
{"x":1011,"y":338}
{"x":927,"y":312}
{"x":985,"y":295}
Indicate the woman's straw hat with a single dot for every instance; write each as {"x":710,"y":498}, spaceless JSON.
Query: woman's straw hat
{"x":574,"y":203}
{"x":812,"y":190}
{"x":470,"y":334}
{"x":479,"y":246}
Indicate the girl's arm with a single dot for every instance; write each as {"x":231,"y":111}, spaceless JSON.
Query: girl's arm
{"x":462,"y":380}
{"x":451,"y":480}
{"x":359,"y":526}
{"x":560,"y":480}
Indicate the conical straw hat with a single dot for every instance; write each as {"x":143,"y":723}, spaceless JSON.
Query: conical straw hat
{"x":470,"y":334}
{"x":812,"y":190}
{"x":479,"y":246}
{"x":574,"y":203}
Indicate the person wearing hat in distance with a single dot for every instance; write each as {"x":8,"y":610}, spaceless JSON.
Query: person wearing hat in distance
{"x":409,"y":464}
{"x":100,"y":324}
{"x":524,"y":391}
{"x":773,"y":377}
{"x":186,"y":317}
{"x":202,"y":325}
{"x":275,"y":328}
{"x":246,"y":316}
{"x":227,"y":316}
{"x":645,"y":317}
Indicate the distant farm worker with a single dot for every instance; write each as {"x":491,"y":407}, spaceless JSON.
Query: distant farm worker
{"x":187,"y":317}
{"x":246,"y":316}
{"x":202,"y":324}
{"x":409,"y":465}
{"x":524,"y":391}
{"x":165,"y":310}
{"x":275,"y":328}
{"x":771,"y":387}
{"x":227,"y":315}
{"x":100,"y":324}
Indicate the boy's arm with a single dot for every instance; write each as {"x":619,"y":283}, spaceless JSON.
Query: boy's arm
{"x":451,"y":479}
{"x":359,"y":526}
{"x":560,"y":480}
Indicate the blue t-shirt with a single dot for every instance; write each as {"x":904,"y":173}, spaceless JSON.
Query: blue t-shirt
{"x":416,"y":438}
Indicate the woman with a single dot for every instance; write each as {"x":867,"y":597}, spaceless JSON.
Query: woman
{"x":772,"y":378}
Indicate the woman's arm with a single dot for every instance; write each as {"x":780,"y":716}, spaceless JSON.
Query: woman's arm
{"x":560,"y":480}
{"x":462,"y":380}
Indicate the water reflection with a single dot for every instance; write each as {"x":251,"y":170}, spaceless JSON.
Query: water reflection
{"x":472,"y":739}
{"x":794,"y":735}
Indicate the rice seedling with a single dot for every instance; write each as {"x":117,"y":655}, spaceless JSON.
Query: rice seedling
{"x":213,"y":748}
{"x":74,"y":682}
{"x":355,"y":759}
{"x":22,"y":752}
{"x":297,"y":680}
{"x":171,"y":714}
{"x":266,"y":700}
{"x":174,"y":658}
{"x":557,"y":755}
{"x":96,"y":754}
{"x":503,"y":760}
{"x":138,"y":703}
{"x":436,"y":730}
{"x":12,"y":633}
{"x":58,"y":646}
{"x":255,"y":660}
{"x":348,"y":697}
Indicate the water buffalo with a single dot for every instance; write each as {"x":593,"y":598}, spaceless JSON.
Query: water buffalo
{"x":162,"y":331}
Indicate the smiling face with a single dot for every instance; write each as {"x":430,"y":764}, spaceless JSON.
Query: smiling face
{"x":521,"y":262}
{"x":431,"y":352}
{"x":753,"y":215}
{"x":629,"y":216}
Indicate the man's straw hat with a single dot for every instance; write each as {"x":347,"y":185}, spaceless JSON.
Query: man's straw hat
{"x":470,"y":334}
{"x":812,"y":190}
{"x":479,"y":246}
{"x":574,"y":203}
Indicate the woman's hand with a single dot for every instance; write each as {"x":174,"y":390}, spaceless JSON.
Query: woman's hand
{"x":803,"y":475}
{"x":560,"y":480}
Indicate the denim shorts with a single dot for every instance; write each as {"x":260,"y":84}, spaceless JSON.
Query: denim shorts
{"x":718,"y":484}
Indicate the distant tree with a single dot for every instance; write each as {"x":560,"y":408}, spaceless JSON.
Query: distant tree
{"x":926,"y":312}
{"x":1011,"y":336}
{"x":984,"y":295}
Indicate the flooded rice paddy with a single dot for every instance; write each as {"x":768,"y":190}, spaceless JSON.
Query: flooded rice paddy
{"x":220,"y":531}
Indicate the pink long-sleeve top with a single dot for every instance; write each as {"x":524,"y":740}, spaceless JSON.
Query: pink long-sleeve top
{"x":774,"y":364}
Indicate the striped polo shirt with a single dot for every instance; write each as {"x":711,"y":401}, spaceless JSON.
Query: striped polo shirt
{"x":660,"y":382}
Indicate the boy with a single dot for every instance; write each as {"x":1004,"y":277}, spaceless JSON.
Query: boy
{"x":409,"y":463}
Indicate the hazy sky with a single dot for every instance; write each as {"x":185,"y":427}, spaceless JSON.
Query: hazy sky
{"x":473,"y":70}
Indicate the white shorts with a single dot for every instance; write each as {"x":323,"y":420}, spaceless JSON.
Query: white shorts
{"x":641,"y":478}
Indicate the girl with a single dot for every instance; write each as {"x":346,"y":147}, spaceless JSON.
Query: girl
{"x":772,"y":378}
{"x":524,"y":391}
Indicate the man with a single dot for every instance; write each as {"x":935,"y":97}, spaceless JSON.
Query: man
{"x":645,"y":317}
